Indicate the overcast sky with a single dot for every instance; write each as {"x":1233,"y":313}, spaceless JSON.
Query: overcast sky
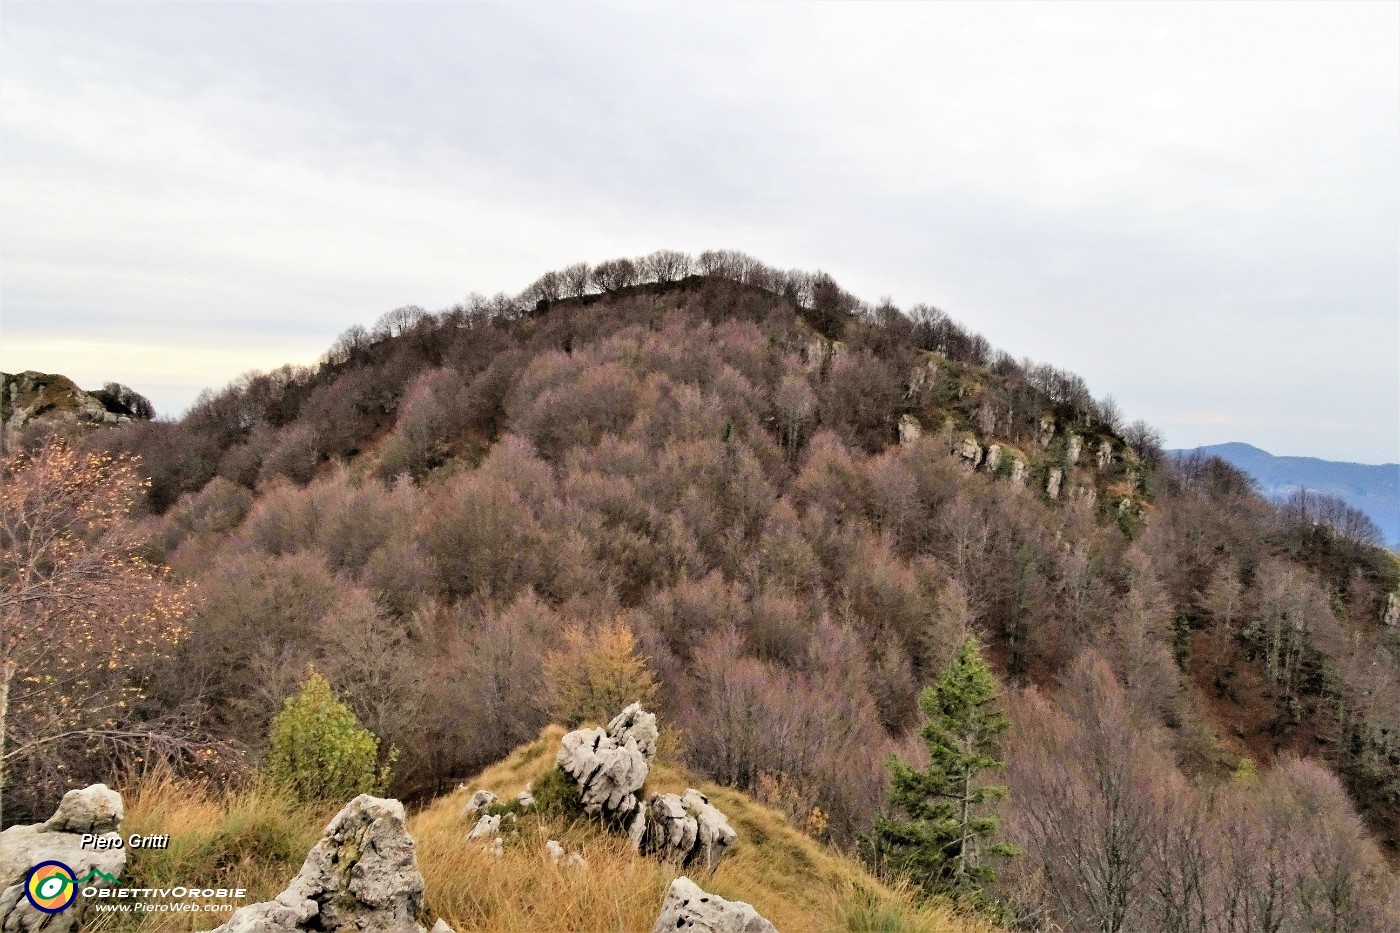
{"x":1196,"y":207}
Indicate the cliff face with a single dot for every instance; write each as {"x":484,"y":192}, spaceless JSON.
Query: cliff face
{"x":30,"y":397}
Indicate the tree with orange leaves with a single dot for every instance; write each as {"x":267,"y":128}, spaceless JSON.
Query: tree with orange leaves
{"x":77,"y":602}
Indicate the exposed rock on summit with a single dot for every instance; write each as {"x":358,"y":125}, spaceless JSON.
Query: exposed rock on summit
{"x":688,"y":907}
{"x":362,"y":876}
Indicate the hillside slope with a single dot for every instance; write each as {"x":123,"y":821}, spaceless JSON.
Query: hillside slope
{"x":255,"y":839}
{"x":1374,"y":489}
{"x":789,"y":508}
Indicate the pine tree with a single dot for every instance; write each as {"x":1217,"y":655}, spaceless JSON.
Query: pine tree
{"x":943,"y":841}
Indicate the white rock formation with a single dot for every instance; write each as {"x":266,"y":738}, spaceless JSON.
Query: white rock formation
{"x":1052,"y":485}
{"x":684,"y":828}
{"x":610,"y":765}
{"x":362,"y":876}
{"x":1073,"y":449}
{"x":993,"y":457}
{"x":688,"y":908}
{"x":94,"y":810}
{"x":1104,"y":458}
{"x":909,"y":430}
{"x":970,"y":453}
{"x":479,"y":801}
{"x":485,"y":828}
{"x":1019,"y":474}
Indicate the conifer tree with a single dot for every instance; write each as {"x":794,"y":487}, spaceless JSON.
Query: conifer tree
{"x":940,"y":835}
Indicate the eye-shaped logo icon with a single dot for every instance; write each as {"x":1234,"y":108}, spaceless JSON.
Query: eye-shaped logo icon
{"x":51,"y":887}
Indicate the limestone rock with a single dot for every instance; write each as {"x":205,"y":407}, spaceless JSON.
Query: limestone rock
{"x":685,"y":829}
{"x":95,"y":809}
{"x":970,"y":453}
{"x":610,"y":765}
{"x":993,"y":457}
{"x":362,"y":876}
{"x":1391,"y":616}
{"x":923,"y":378}
{"x":1104,"y":458}
{"x":688,"y":907}
{"x":479,"y":801}
{"x":1019,"y":474}
{"x":1052,"y":485}
{"x":1073,"y":449}
{"x":526,"y":798}
{"x":909,"y":430}
{"x":638,"y":725}
{"x":559,"y":855}
{"x":1047,"y":431}
{"x":485,"y":828}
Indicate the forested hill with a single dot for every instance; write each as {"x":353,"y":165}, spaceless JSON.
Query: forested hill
{"x":797,"y":505}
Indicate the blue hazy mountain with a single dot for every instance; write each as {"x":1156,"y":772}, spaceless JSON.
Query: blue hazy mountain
{"x":1374,"y":489}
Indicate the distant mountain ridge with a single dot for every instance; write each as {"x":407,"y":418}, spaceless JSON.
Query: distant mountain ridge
{"x":1372,"y":488}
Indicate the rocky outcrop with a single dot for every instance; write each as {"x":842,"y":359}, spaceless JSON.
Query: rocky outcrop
{"x":1046,"y":432}
{"x":1052,"y":483}
{"x":1104,"y":458}
{"x":94,"y":810}
{"x":1019,"y":474}
{"x":689,"y":908}
{"x":32,"y":396}
{"x":923,"y":379}
{"x":909,"y":430}
{"x":485,"y":828}
{"x":610,"y":765}
{"x":558,"y":855}
{"x":684,"y":829}
{"x":362,"y":876}
{"x":479,"y":801}
{"x":1073,"y":448}
{"x":993,"y":457}
{"x":970,"y":453}
{"x":1391,"y":616}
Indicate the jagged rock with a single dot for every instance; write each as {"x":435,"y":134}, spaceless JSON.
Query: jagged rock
{"x":1391,"y":616}
{"x":362,"y":876}
{"x":1073,"y":449}
{"x":993,"y":457}
{"x":638,"y":725}
{"x":909,"y":430}
{"x":1047,"y":431}
{"x":485,"y":828}
{"x":688,"y":907}
{"x":686,"y":829}
{"x":96,"y":809}
{"x":970,"y":453}
{"x":1104,"y":458}
{"x":479,"y":801}
{"x":924,"y":377}
{"x":33,"y":396}
{"x":526,"y":798}
{"x":1019,"y":474}
{"x":1052,"y":485}
{"x":610,"y":765}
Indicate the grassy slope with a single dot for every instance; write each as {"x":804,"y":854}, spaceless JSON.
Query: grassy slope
{"x":257,"y":839}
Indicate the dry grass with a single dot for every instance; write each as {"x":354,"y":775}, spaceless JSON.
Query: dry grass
{"x":257,"y":839}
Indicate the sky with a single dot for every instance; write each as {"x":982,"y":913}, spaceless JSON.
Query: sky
{"x":1196,"y":207}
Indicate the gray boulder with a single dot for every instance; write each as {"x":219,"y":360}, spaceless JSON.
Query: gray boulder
{"x":362,"y":876}
{"x":611,"y":765}
{"x":685,"y":829}
{"x":1052,"y":483}
{"x":96,"y":809}
{"x":688,"y":908}
{"x":479,"y":801}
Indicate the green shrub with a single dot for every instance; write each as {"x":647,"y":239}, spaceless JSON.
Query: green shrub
{"x":557,"y":794}
{"x":318,"y":749}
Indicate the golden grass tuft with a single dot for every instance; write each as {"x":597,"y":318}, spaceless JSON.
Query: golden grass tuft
{"x":257,"y":838}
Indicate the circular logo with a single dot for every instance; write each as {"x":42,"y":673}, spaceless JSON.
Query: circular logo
{"x":51,"y":887}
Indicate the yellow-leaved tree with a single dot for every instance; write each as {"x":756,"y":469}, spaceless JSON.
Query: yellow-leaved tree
{"x":593,"y":674}
{"x":78,"y":605}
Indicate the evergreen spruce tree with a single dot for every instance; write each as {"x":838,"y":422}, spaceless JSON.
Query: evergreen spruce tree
{"x":939,"y":834}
